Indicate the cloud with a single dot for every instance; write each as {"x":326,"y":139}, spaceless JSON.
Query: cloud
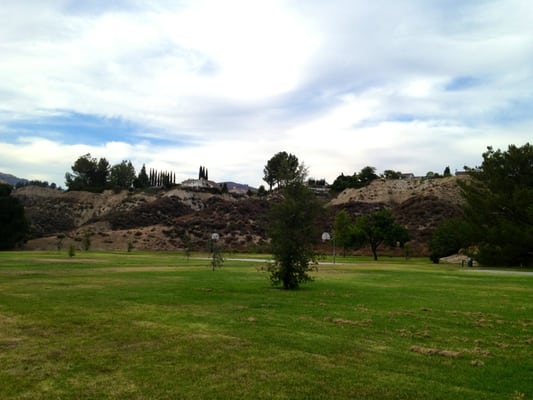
{"x":410,"y":85}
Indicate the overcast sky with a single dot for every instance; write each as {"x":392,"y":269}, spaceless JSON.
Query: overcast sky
{"x":410,"y":85}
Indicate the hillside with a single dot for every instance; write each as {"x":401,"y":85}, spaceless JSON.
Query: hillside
{"x":394,"y":192}
{"x":11,"y":179}
{"x":180,"y":219}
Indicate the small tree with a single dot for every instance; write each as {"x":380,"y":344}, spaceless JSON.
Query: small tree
{"x":342,"y":229}
{"x":216,"y":255}
{"x":376,"y":229}
{"x":86,"y":241}
{"x":293,"y":234}
{"x":72,"y":250}
{"x":59,"y":242}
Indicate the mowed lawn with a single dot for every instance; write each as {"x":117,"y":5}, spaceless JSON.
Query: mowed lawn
{"x":157,"y":326}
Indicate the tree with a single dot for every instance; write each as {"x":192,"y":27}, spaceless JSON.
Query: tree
{"x":88,"y":174}
{"x":261,"y":191}
{"x":86,"y":241}
{"x":122,"y":176}
{"x":342,"y":229}
{"x":366,"y":176}
{"x":102,"y":174}
{"x":142,"y":181}
{"x":447,"y":172}
{"x":449,"y":237}
{"x":376,"y":229}
{"x":344,"y":182}
{"x":390,"y":174}
{"x":357,"y":180}
{"x":203,"y":173}
{"x":293,"y":234}
{"x":499,"y":206}
{"x":83,"y":173}
{"x":283,"y":169}
{"x":13,"y":224}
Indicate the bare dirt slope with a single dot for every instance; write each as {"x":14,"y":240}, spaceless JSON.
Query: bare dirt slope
{"x":395,"y":192}
{"x":164,"y":220}
{"x":418,"y":204}
{"x":180,"y":219}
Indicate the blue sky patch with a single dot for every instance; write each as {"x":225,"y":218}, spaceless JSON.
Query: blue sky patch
{"x":77,"y":128}
{"x":461,"y":83}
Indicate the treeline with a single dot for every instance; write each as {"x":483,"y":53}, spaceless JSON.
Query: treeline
{"x":159,"y":179}
{"x":38,"y":183}
{"x":96,"y":175}
{"x":368,"y":174}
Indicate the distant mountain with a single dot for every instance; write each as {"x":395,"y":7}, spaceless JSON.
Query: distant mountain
{"x":11,"y":179}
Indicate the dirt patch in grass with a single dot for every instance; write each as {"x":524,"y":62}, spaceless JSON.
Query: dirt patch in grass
{"x":433,"y":351}
{"x":349,"y":322}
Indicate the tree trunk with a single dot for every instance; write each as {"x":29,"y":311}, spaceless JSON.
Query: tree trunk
{"x":374,"y":248}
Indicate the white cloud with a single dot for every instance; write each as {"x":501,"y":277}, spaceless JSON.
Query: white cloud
{"x":341,"y":84}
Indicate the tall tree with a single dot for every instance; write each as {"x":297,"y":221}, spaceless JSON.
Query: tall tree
{"x":88,"y":174}
{"x":83,"y":173}
{"x":13,"y":223}
{"x":102,"y":174}
{"x":293,"y":234}
{"x":142,"y":181}
{"x":499,"y":206}
{"x":367,"y":175}
{"x":283,"y":169}
{"x":376,"y":229}
{"x":122,"y":175}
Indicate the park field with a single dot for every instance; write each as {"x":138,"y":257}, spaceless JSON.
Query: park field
{"x":161,"y":326}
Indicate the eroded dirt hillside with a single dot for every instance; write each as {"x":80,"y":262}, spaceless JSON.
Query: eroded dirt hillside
{"x":180,"y":219}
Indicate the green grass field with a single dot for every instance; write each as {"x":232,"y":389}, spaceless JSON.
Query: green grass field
{"x":156,"y":326}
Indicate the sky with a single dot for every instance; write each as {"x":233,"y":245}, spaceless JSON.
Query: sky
{"x":411,"y":85}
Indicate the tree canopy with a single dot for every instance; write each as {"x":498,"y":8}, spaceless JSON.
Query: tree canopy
{"x":283,"y":169}
{"x":88,"y":174}
{"x":13,"y":224}
{"x":122,"y":175}
{"x":499,"y":206}
{"x":355,"y":181}
{"x":142,"y":181}
{"x":376,"y":229}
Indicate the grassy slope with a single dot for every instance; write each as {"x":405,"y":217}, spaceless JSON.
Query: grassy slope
{"x":143,"y":326}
